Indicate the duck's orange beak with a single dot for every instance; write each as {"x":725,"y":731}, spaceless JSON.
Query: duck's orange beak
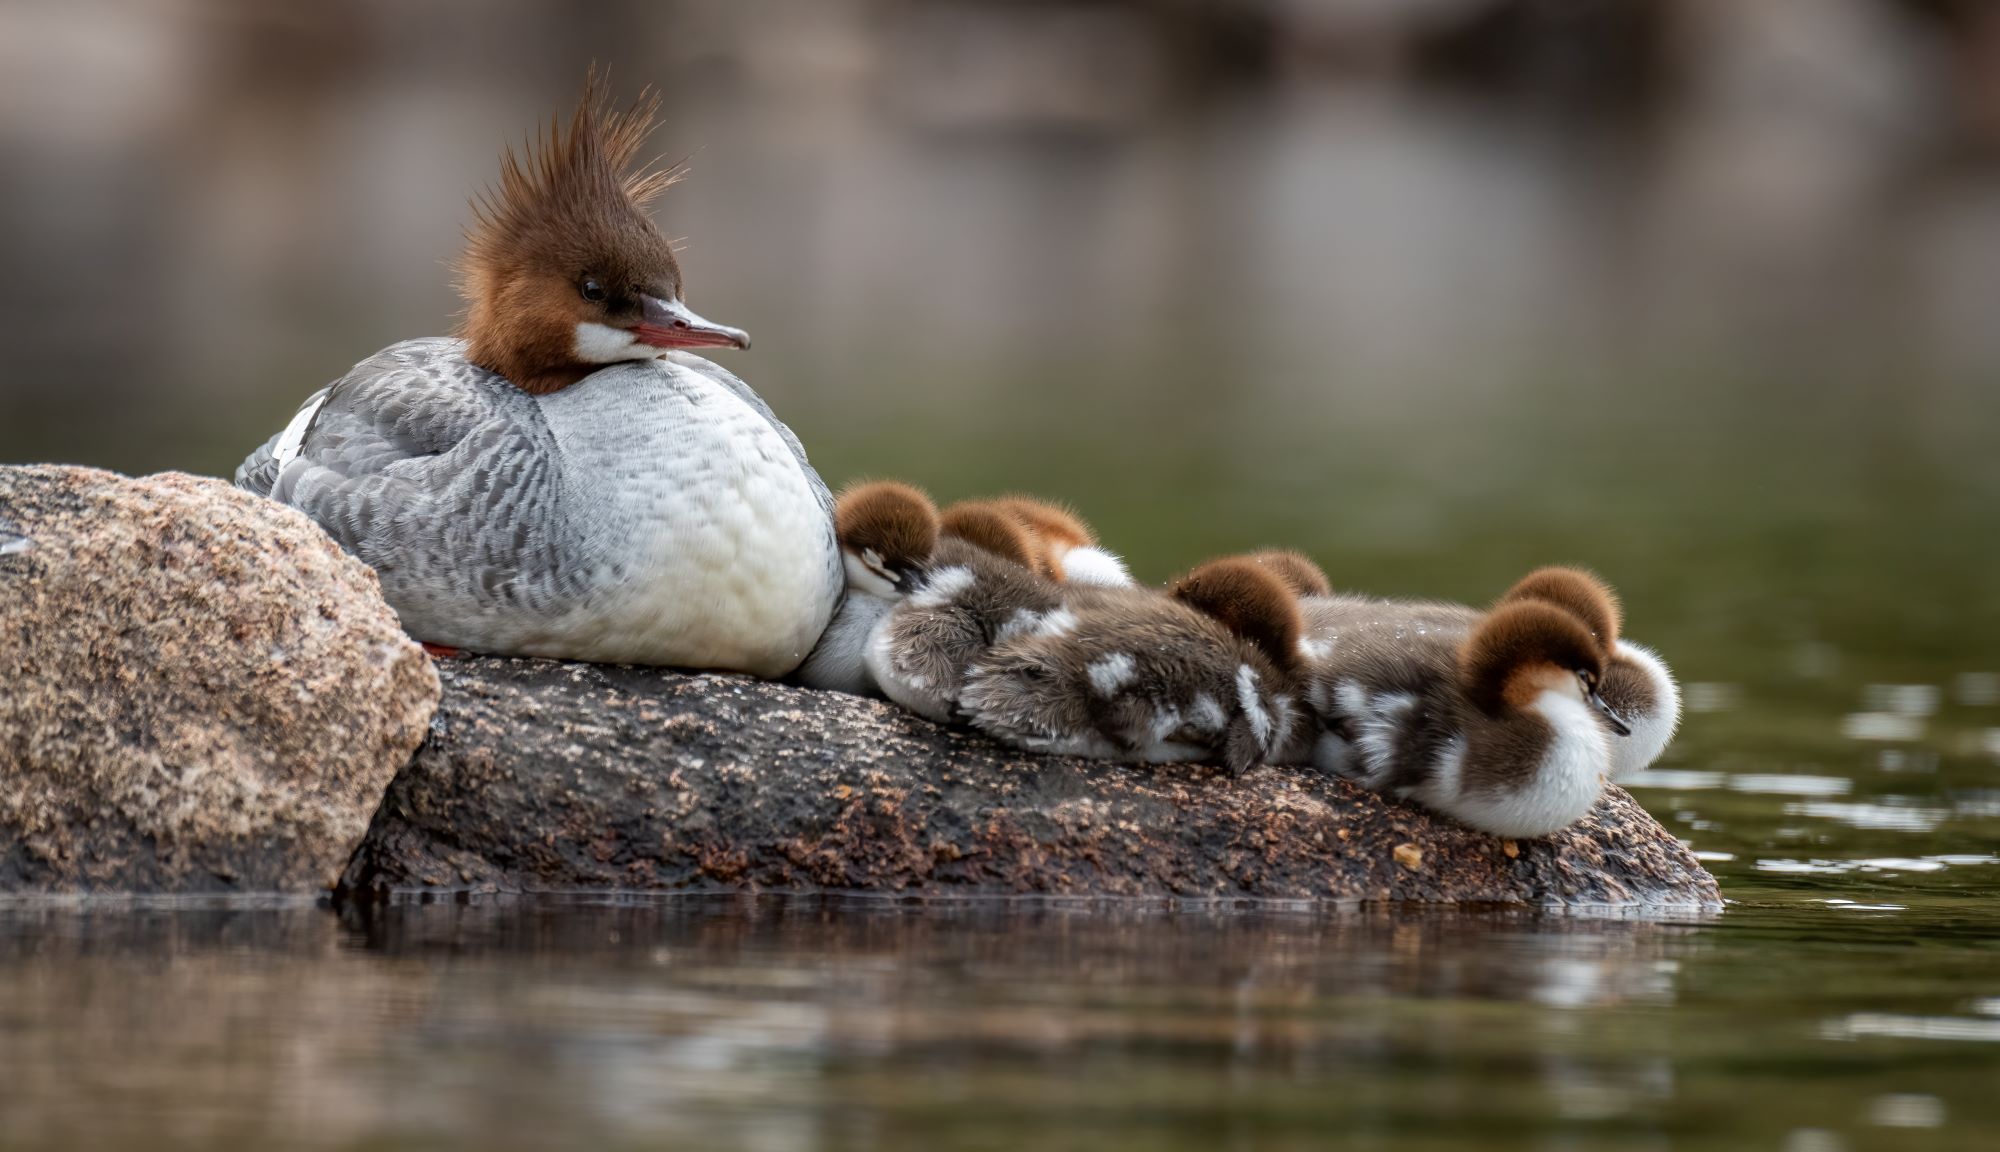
{"x":672,"y":324}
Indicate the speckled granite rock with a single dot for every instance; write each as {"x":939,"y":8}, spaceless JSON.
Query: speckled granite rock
{"x":544,"y":776}
{"x":199,"y":691}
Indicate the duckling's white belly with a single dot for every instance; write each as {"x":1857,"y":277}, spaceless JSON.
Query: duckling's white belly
{"x":699,"y":539}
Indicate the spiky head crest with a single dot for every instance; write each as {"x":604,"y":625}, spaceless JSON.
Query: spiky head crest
{"x":569,"y":207}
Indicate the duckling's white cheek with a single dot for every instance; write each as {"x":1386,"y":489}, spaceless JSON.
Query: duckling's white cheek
{"x":603,"y":344}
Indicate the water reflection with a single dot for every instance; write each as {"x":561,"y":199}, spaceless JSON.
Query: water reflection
{"x":783,"y":1022}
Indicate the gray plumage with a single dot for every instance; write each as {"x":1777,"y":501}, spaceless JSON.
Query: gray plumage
{"x":655,"y":512}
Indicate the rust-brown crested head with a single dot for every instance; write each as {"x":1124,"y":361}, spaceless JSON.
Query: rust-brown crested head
{"x":888,"y":528}
{"x":1250,"y":600}
{"x":1298,"y":572}
{"x":563,"y":271}
{"x":1577,"y":591}
{"x":1524,"y":647}
{"x":986,"y":524}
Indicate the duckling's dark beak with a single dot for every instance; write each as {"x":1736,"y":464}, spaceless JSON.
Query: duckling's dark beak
{"x":1617,"y":723}
{"x":672,"y":324}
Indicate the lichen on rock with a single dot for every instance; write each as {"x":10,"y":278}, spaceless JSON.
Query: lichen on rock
{"x":201,"y":691}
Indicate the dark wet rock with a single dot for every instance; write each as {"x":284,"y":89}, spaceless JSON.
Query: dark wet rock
{"x":543,"y":776}
{"x":199,"y":691}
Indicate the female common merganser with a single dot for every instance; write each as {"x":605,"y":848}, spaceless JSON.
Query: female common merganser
{"x":564,"y":480}
{"x":887,"y":533}
{"x":1498,"y":719}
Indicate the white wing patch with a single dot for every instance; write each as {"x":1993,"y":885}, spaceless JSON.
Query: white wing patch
{"x":293,"y":438}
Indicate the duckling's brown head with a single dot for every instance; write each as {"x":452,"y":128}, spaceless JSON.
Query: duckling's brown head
{"x":1578,"y":592}
{"x":1524,"y":648}
{"x":563,"y":272}
{"x":989,"y":525}
{"x":887,"y":532}
{"x":1250,"y":600}
{"x":1298,"y":572}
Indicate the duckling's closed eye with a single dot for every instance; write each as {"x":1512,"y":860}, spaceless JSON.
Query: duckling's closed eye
{"x":1587,"y":681}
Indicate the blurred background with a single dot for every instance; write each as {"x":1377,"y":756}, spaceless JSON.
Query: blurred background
{"x":1697,"y":291}
{"x":1702,"y":293}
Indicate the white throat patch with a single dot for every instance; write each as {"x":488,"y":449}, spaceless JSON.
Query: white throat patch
{"x":603,"y":344}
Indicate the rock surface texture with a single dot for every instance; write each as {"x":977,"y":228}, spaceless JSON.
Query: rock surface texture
{"x":543,"y":776}
{"x":199,"y":692}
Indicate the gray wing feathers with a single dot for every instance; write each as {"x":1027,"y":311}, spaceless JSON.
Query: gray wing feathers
{"x":418,"y":462}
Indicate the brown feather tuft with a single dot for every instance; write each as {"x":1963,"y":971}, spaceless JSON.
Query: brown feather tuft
{"x":1250,"y":600}
{"x":986,"y":524}
{"x":1298,"y":572}
{"x":1577,"y":591}
{"x":897,"y":521}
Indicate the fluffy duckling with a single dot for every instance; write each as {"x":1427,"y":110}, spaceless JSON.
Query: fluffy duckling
{"x":1637,"y":683}
{"x":887,"y":532}
{"x":1128,"y":674}
{"x":1068,"y":550}
{"x":970,"y":599}
{"x":987,"y":524}
{"x":1257,"y":598}
{"x":1131,"y":675}
{"x":1298,"y":572}
{"x":1496,"y":720}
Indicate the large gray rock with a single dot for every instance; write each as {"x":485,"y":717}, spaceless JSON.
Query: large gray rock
{"x":198,"y":690}
{"x":543,"y":776}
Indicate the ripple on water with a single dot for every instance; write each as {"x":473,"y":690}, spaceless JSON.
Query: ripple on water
{"x":1873,"y":817}
{"x":1875,"y":864}
{"x":1860,"y":1024}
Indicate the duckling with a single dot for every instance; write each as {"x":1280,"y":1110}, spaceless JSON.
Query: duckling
{"x":1068,"y":550}
{"x":565,"y":479}
{"x":887,"y":533}
{"x":1509,"y":734}
{"x":1298,"y":572}
{"x":987,"y":524}
{"x":1256,"y":597}
{"x":1129,"y":674}
{"x":1637,"y":684}
{"x":969,"y":599}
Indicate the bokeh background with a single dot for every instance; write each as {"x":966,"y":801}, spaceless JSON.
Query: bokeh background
{"x":1702,"y":293}
{"x":1698,"y":291}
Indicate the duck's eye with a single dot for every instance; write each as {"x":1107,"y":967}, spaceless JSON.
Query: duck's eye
{"x":592,"y":291}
